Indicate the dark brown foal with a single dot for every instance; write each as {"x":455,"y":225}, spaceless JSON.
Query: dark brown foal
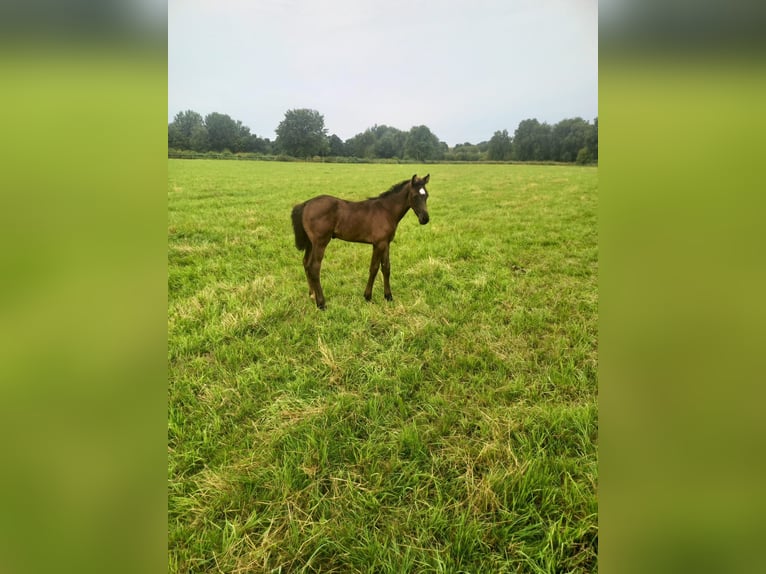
{"x":372,"y":221}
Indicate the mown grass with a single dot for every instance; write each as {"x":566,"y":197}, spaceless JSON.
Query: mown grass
{"x":452,"y":430}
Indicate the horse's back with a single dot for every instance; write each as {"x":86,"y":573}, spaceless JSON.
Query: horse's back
{"x":320,"y":216}
{"x":322,"y":205}
{"x":326,"y":217}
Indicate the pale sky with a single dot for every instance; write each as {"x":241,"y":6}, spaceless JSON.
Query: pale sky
{"x":463,"y":68}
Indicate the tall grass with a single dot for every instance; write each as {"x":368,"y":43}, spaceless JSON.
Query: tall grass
{"x":451,"y":430}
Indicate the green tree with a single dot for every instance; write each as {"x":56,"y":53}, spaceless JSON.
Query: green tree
{"x":175,"y":138}
{"x":421,"y":144}
{"x":524,"y":138}
{"x":378,"y":141}
{"x":222,"y":132}
{"x":592,"y":140}
{"x":499,"y":146}
{"x":253,"y":144}
{"x":390,"y":142}
{"x":532,"y":141}
{"x":583,"y":156}
{"x":569,"y":137}
{"x":337,"y":147}
{"x":302,"y":134}
{"x":182,"y":128}
{"x":362,"y":144}
{"x":243,"y":140}
{"x":464,"y":152}
{"x":199,"y":139}
{"x":265,"y":145}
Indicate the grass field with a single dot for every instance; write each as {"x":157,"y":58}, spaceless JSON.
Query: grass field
{"x":454,"y":429}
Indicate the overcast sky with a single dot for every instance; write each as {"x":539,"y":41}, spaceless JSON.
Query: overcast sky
{"x":463,"y":68}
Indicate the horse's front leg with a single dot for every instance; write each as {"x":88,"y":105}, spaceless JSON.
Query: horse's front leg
{"x":377,"y":254}
{"x":385,"y":266}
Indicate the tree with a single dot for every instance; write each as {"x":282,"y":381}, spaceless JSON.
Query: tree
{"x":500,"y":146}
{"x":222,"y":131}
{"x":532,"y":141}
{"x":362,"y":144}
{"x":589,"y":152}
{"x":583,"y":156}
{"x":199,"y":139}
{"x":390,"y":142}
{"x":524,"y":140}
{"x":302,"y":134}
{"x":265,"y":145}
{"x":421,"y":144}
{"x":337,"y":147}
{"x":592,"y":140}
{"x":183,"y":128}
{"x":243,"y":141}
{"x":175,"y":138}
{"x":569,"y":137}
{"x":386,"y":147}
{"x":464,"y":152}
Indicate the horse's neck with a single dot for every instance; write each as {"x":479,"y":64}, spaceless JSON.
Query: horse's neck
{"x":398,"y":205}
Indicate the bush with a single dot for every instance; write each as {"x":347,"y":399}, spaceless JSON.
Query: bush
{"x":583,"y":156}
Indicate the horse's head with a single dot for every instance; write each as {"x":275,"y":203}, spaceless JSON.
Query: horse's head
{"x":418,"y":197}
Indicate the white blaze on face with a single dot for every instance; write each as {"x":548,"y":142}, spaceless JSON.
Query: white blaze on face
{"x":422,"y":191}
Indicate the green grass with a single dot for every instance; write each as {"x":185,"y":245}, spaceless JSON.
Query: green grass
{"x":451,"y":430}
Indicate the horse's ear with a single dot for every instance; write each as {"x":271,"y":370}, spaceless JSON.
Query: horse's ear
{"x":414,"y":177}
{"x":425,"y":179}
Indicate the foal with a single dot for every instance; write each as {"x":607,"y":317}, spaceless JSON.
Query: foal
{"x":373,"y":221}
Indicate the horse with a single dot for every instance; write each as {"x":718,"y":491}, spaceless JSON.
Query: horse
{"x":372,"y":221}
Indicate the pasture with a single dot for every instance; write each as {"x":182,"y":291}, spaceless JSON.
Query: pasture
{"x":453,"y":429}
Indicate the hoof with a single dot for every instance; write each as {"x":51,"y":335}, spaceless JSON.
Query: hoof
{"x":368,"y":297}
{"x":389,"y":297}
{"x":321,"y":306}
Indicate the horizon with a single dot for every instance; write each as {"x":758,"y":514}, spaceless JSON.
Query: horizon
{"x":330,"y":133}
{"x":464,"y":72}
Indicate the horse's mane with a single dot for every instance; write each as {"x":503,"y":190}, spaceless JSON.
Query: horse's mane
{"x":396,"y":188}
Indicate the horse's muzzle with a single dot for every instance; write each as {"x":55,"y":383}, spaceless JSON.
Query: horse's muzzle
{"x":423,"y":219}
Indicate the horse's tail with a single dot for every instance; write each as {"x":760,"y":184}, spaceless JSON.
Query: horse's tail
{"x":302,"y":241}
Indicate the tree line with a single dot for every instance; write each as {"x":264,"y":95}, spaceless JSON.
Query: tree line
{"x":302,"y":134}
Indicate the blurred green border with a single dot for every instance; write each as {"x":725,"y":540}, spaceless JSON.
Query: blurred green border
{"x":83,"y":307}
{"x":681,"y":312}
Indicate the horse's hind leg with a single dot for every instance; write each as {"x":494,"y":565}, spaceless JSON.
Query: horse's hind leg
{"x":377,"y":254}
{"x":385,"y":266}
{"x":306,"y":258}
{"x":312,"y":271}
